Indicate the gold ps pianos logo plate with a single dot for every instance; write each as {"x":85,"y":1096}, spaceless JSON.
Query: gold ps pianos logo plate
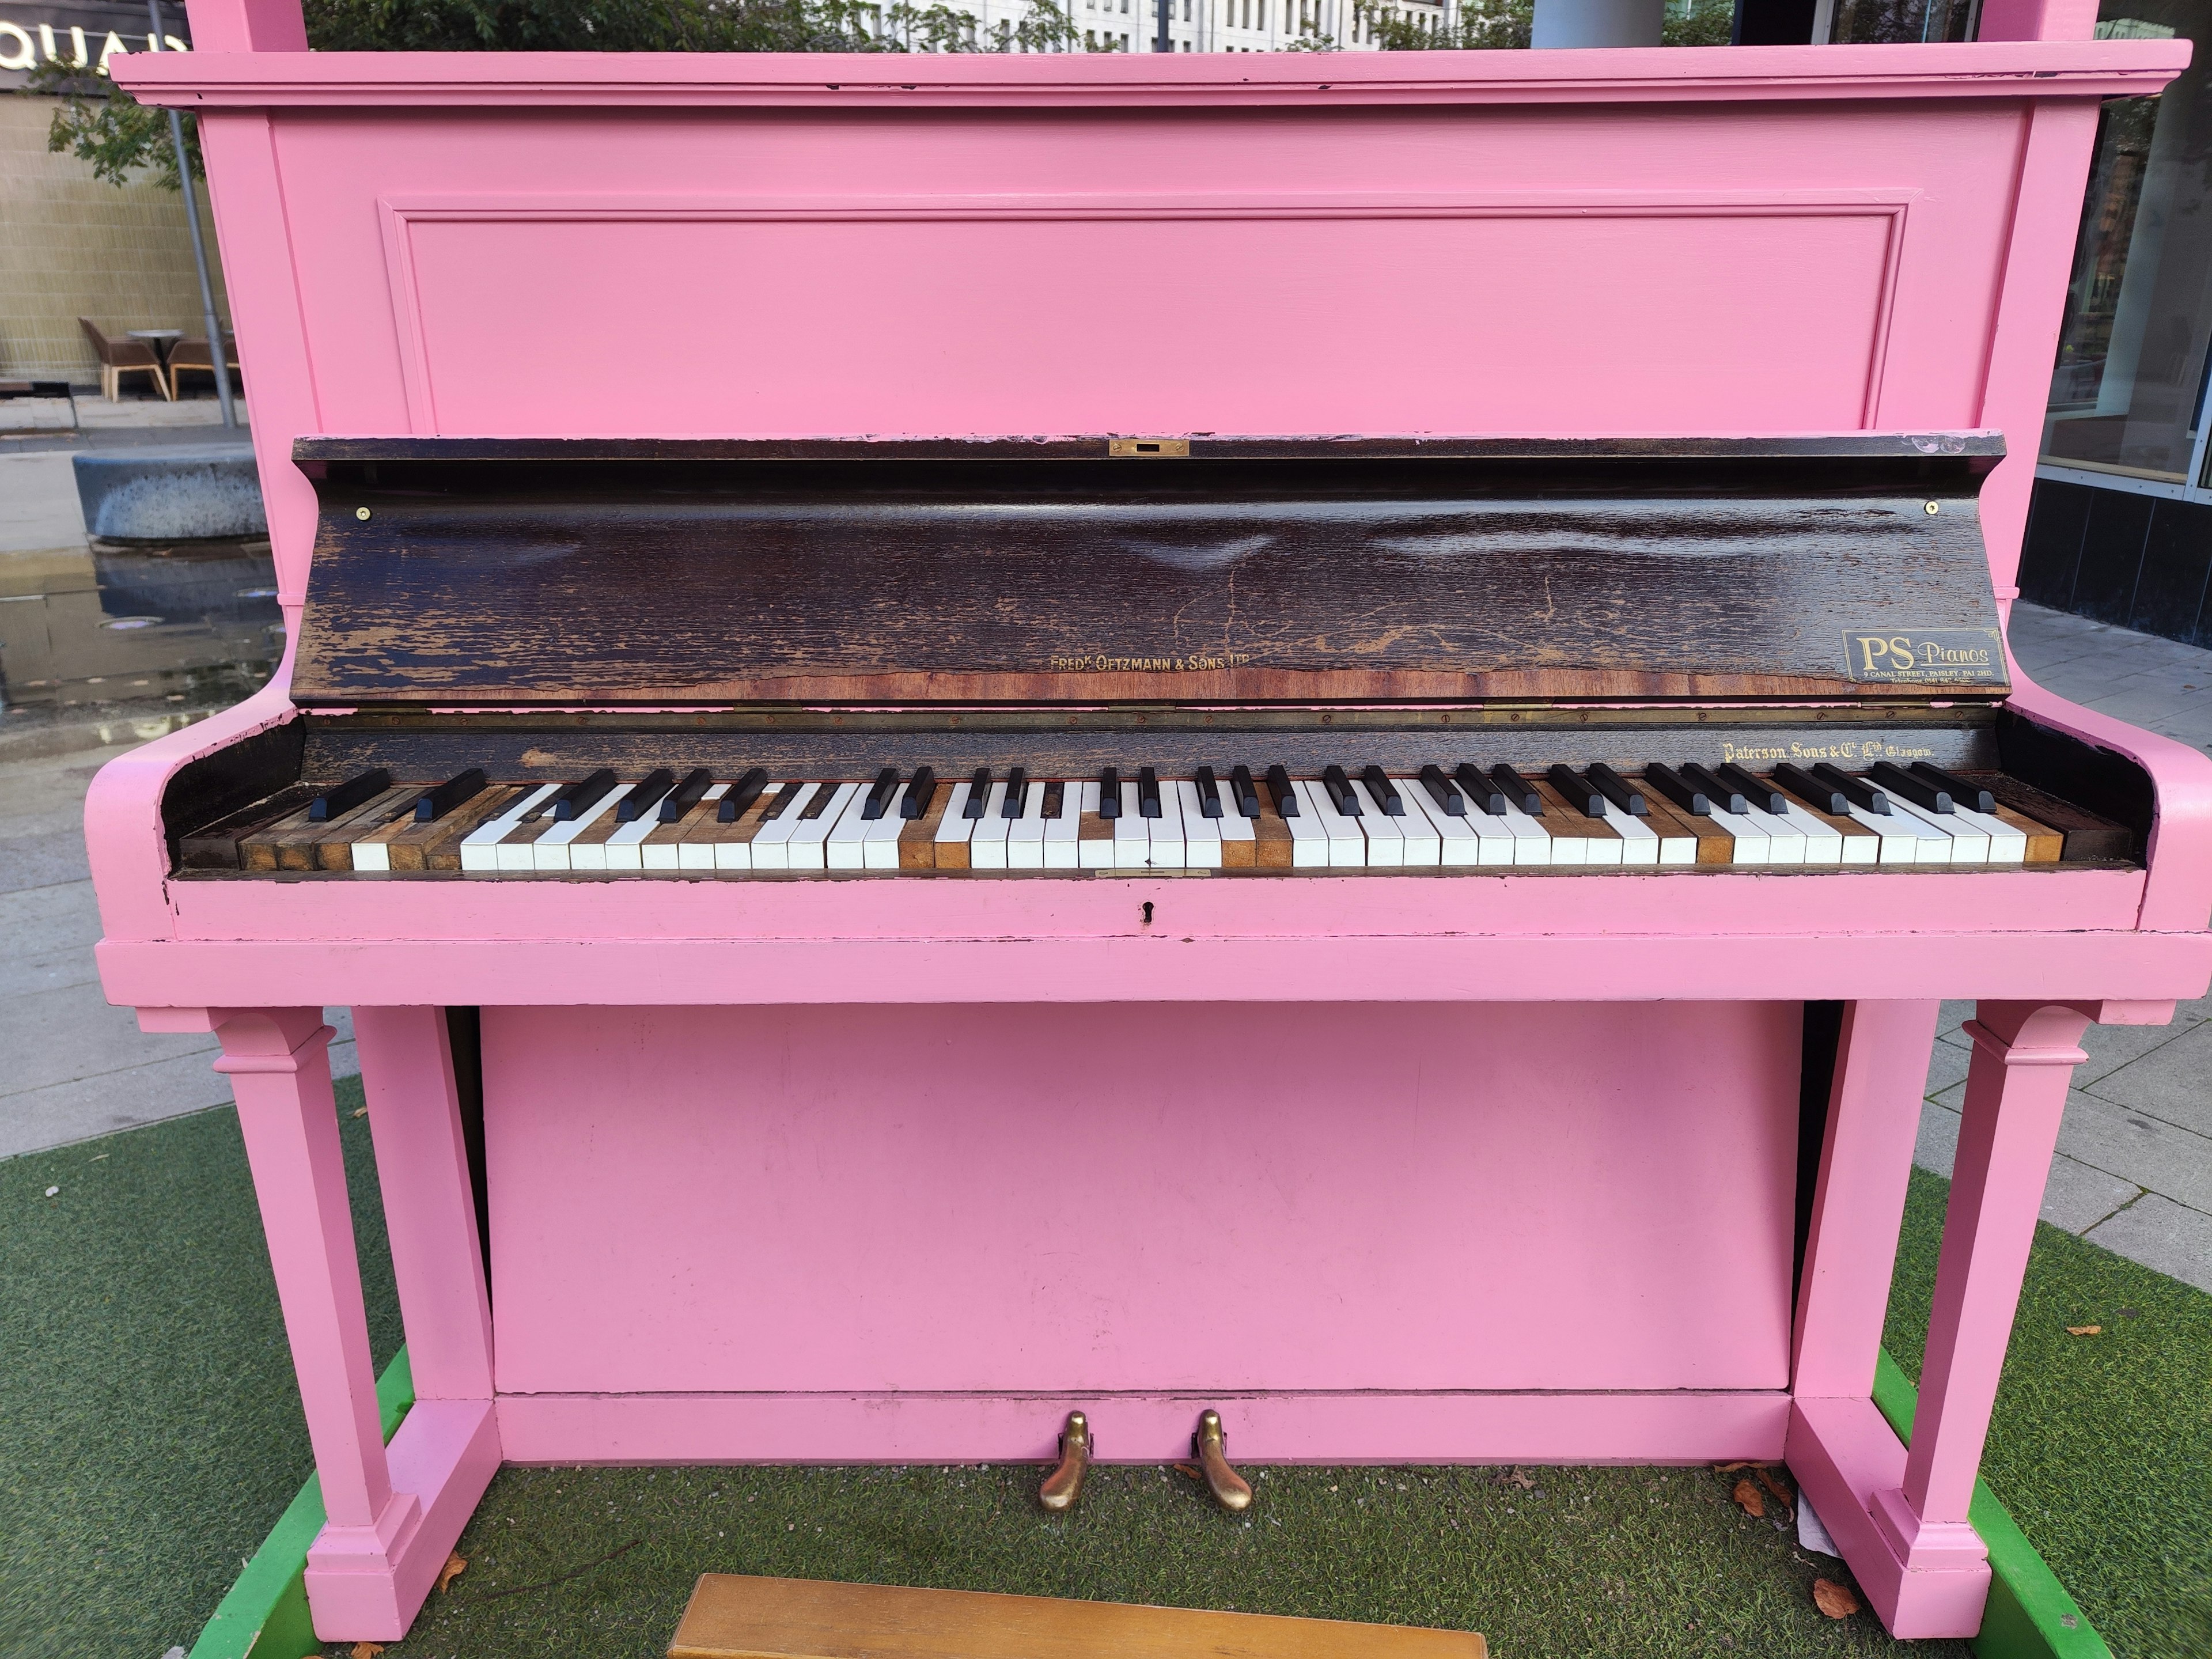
{"x":1919,"y":656}
{"x":1157,"y":449}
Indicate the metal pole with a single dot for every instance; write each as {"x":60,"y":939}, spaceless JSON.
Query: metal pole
{"x":1160,"y":41}
{"x":217,"y":354}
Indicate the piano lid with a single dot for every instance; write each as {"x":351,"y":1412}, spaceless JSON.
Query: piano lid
{"x":475,"y":572}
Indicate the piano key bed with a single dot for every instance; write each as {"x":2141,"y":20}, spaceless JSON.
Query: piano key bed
{"x":1256,"y":819}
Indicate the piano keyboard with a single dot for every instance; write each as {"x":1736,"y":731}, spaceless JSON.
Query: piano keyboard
{"x":1238,"y":818}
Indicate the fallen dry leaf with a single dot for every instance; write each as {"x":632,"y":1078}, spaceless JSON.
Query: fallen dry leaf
{"x":366,"y":1650}
{"x":1779,"y":1484}
{"x":2085,"y":1330}
{"x":360,"y":1111}
{"x":1515,"y":1478}
{"x":1190,"y":1469}
{"x":1834,"y":1599}
{"x":456,"y":1565}
{"x":1748,"y":1500}
{"x":1733,"y":1469}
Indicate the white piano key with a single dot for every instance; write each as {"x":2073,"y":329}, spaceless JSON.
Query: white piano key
{"x":551,"y":851}
{"x":1308,"y":837}
{"x":621,"y":848}
{"x":1531,"y":843}
{"x":1061,"y":845}
{"x":1751,"y":840}
{"x":1093,"y":855}
{"x":1232,"y":824}
{"x":1132,"y":836}
{"x":1347,"y":847}
{"x":1899,"y":839}
{"x":1386,"y":836}
{"x":1424,"y":847}
{"x":1025,"y":839}
{"x":956,"y":826}
{"x":738,"y":854}
{"x":480,"y":848}
{"x":771,"y":843}
{"x":1201,"y":836}
{"x":1607,"y":851}
{"x":1458,"y":842}
{"x":688,"y":854}
{"x":2007,"y":844}
{"x":1785,"y":842}
{"x":987,"y":848}
{"x":808,"y":843}
{"x":1824,"y":842}
{"x":845,"y":847}
{"x":1639,"y":842}
{"x":1968,"y":844}
{"x":1165,"y":848}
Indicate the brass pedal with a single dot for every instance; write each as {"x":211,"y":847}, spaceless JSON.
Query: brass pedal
{"x":1065,"y":1483}
{"x":1210,"y":1447}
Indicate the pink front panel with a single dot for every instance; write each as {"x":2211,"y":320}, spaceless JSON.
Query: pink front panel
{"x":1100,"y":1199}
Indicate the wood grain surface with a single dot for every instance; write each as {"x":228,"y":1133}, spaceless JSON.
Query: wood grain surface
{"x":734,"y":1617}
{"x":1316,"y":572}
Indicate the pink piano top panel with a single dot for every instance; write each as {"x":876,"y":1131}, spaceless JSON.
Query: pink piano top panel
{"x":1616,"y":242}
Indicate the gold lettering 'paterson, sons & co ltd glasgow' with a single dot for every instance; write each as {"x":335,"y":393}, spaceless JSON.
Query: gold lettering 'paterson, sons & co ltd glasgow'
{"x":1925,"y":656}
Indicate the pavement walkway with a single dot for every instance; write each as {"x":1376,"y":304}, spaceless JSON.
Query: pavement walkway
{"x":2133,"y":1170}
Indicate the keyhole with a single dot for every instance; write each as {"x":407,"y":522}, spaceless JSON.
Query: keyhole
{"x":1148,"y":913}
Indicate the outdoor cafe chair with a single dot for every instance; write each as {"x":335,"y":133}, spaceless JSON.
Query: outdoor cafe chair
{"x":192,"y":353}
{"x":121,"y":357}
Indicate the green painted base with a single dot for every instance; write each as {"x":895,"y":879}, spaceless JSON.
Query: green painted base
{"x":265,"y":1616}
{"x":2030,"y":1615}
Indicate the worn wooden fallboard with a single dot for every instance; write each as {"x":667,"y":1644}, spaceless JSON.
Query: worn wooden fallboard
{"x":473,"y":573}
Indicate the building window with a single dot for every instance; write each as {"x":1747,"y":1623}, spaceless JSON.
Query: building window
{"x":2127,"y":393}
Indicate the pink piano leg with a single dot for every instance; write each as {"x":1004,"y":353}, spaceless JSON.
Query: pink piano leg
{"x":373,"y":1564}
{"x":1900,"y":1518}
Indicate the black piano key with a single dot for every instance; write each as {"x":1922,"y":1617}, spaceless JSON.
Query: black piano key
{"x":1723,"y":799}
{"x":337,"y":802}
{"x":1971,"y":796}
{"x":1583,"y":795}
{"x":1384,"y":792}
{"x":1286,"y":798}
{"x":919,"y":788}
{"x":979,"y":793}
{"x":781,"y":804}
{"x":1918,"y":791}
{"x":741,"y":794}
{"x":1018,"y":789}
{"x":1056,"y":800}
{"x":1109,"y":792}
{"x":1480,"y":788}
{"x":1858,"y":791}
{"x":579,"y":798}
{"x":1618,"y":790}
{"x":1148,"y":791}
{"x":880,"y":794}
{"x":1762,"y":795}
{"x":818,"y":802}
{"x":1443,"y":791}
{"x":1820,"y":797}
{"x":687,"y":794}
{"x":1209,"y":792}
{"x":1340,"y":791}
{"x":1247,"y":792}
{"x":1519,"y":791}
{"x":461,"y":787}
{"x":1671,"y":784}
{"x":644,"y":795}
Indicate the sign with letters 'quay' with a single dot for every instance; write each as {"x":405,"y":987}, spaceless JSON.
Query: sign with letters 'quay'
{"x":81,"y":34}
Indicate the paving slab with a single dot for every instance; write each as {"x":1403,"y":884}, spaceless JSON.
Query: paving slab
{"x":2162,"y":1235}
{"x":2154,"y":1154}
{"x":2075,"y":1196}
{"x":70,"y":1032}
{"x":2172,"y":1081}
{"x":49,"y":932}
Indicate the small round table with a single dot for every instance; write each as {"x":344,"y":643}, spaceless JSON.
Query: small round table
{"x":163,"y":340}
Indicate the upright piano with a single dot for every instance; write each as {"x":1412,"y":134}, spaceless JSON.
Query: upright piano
{"x":1378,"y":864}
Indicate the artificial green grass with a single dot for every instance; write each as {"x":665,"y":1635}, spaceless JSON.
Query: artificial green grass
{"x":2101,"y":1446}
{"x":152,"y":1437}
{"x":151,"y":1432}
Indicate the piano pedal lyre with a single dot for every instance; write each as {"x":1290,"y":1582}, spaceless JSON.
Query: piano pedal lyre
{"x":1209,"y":1445}
{"x":1065,"y":1483}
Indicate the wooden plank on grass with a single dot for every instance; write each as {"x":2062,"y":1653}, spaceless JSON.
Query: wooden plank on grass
{"x":734,"y":1617}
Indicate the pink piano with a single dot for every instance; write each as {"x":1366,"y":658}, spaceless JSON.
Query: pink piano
{"x":1304,"y":737}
